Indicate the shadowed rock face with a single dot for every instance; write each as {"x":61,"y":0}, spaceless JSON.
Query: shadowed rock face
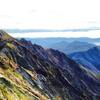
{"x":47,"y":73}
{"x":68,"y":75}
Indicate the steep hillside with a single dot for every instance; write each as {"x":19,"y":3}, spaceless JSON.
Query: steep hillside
{"x":30,"y":72}
{"x":72,"y":76}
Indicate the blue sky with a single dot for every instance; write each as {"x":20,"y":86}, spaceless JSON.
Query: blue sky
{"x":77,"y":17}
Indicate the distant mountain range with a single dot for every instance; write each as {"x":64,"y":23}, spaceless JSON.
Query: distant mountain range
{"x":89,"y":58}
{"x":75,"y":46}
{"x":31,"y":72}
{"x":46,"y":42}
{"x":67,"y":45}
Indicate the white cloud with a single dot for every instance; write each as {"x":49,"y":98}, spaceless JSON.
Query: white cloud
{"x":90,"y":34}
{"x":49,"y":14}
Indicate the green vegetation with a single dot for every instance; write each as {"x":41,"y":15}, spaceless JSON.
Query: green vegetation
{"x":11,"y":92}
{"x":6,"y":36}
{"x":10,"y":45}
{"x":3,"y":63}
{"x":13,"y":86}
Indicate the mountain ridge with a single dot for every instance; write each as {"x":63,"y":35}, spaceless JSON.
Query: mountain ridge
{"x":33,"y":72}
{"x":90,"y":56}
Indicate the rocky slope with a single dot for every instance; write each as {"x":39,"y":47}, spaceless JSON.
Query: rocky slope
{"x":30,"y":72}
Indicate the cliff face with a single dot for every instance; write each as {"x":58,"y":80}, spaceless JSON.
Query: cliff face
{"x":30,"y":72}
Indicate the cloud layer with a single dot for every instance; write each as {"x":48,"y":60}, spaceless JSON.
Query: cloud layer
{"x":64,"y":15}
